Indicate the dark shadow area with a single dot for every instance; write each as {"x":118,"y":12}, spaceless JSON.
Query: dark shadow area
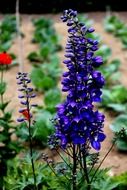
{"x":55,"y":6}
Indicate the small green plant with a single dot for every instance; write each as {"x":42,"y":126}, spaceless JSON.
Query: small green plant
{"x":8,"y":147}
{"x":22,"y":178}
{"x":48,"y":180}
{"x":45,"y":76}
{"x":45,"y":35}
{"x":7,"y":32}
{"x":120,"y":124}
{"x":115,"y":25}
{"x":115,"y":99}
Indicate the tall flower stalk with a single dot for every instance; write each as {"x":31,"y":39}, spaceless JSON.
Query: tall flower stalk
{"x":78,"y":123}
{"x":26,"y":116}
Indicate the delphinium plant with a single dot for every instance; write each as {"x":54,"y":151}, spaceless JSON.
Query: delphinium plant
{"x":78,"y":123}
{"x":26,"y":115}
{"x":8,"y":147}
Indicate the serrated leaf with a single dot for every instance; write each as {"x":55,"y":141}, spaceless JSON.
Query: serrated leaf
{"x":122,"y":178}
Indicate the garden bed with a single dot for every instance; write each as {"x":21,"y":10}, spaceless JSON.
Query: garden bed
{"x":116,"y":160}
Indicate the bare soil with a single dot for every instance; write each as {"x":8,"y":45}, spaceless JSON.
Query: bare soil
{"x":116,"y":160}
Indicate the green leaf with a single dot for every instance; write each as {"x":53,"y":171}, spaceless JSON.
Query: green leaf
{"x":118,"y":107}
{"x":2,"y":88}
{"x":42,"y":23}
{"x":8,"y":116}
{"x":110,"y":72}
{"x":119,"y":93}
{"x":43,"y":126}
{"x":51,"y":98}
{"x":116,"y":95}
{"x":22,"y":132}
{"x":109,"y":23}
{"x":44,"y":77}
{"x":34,"y":57}
{"x":36,"y":77}
{"x":3,"y":138}
{"x":105,"y":52}
{"x":84,"y":18}
{"x":47,"y":83}
{"x":106,"y":97}
{"x":5,"y":46}
{"x":119,"y":123}
{"x":121,"y":144}
{"x":51,"y":69}
{"x":122,"y":179}
{"x":45,"y":51}
{"x":4,"y":105}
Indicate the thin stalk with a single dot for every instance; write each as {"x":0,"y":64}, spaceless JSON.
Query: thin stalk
{"x":74,"y":169}
{"x":67,"y":152}
{"x":64,"y":160}
{"x":80,"y":159}
{"x":30,"y":146}
{"x":86,"y":172}
{"x":1,"y":80}
{"x":102,"y":161}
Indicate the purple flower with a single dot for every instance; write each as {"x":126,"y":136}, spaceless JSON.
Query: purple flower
{"x":77,"y":121}
{"x":97,"y":61}
{"x":25,"y":96}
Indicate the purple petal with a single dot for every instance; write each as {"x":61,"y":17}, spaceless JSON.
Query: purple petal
{"x":96,"y":145}
{"x":101,"y":137}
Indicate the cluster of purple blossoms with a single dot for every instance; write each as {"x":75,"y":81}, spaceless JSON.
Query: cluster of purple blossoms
{"x":25,"y":97}
{"x":77,"y":120}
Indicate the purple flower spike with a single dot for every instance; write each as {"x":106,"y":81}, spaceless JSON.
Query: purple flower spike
{"x":77,"y":120}
{"x":27,"y":94}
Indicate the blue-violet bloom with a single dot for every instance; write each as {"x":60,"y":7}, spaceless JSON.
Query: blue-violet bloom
{"x":77,"y":120}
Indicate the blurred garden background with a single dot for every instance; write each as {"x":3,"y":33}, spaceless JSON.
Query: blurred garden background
{"x":33,"y":34}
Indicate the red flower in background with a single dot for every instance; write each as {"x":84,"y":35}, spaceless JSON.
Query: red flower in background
{"x":5,"y":59}
{"x":26,"y":114}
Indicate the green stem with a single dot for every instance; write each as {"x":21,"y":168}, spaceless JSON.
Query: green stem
{"x":86,"y":172}
{"x":74,"y":169}
{"x":1,"y":95}
{"x":31,"y":149}
{"x":102,"y":161}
